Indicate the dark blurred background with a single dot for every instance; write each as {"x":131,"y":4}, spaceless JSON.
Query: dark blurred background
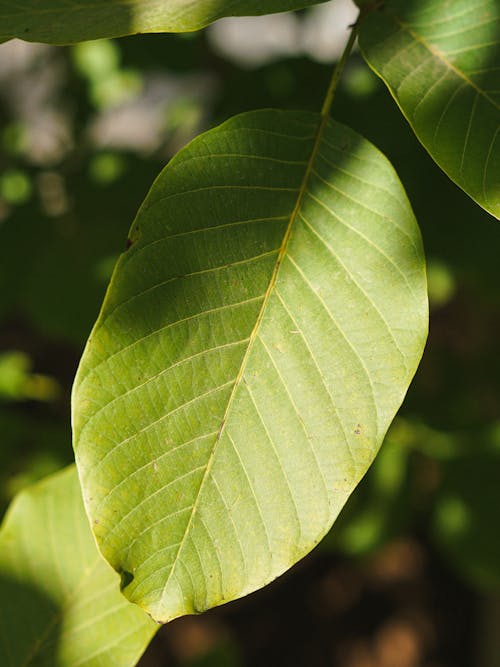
{"x":410,"y":574}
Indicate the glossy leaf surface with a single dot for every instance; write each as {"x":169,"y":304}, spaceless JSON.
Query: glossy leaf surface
{"x":65,"y":21}
{"x":256,"y":340}
{"x":441,"y":62}
{"x":60,"y":603}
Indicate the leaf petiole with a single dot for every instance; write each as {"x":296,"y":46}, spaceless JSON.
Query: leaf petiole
{"x":339,"y":68}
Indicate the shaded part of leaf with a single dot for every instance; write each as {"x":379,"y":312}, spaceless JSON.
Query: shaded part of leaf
{"x":59,"y":600}
{"x":440,"y":61}
{"x":65,"y":22}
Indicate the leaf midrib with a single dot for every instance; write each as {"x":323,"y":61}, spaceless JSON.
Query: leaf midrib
{"x":272,"y":282}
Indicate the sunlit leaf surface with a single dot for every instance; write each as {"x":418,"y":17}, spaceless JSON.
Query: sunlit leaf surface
{"x":441,"y":62}
{"x":65,"y":21}
{"x":255,"y":343}
{"x":60,"y":603}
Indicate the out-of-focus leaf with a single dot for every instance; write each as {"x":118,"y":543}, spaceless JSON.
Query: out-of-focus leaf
{"x":466,"y":514}
{"x":66,"y":21}
{"x":255,"y":342}
{"x":60,"y":603}
{"x":441,"y":62}
{"x":17,"y":382}
{"x":15,"y":187}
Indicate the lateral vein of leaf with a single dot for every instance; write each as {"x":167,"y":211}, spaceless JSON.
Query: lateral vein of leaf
{"x":273,"y":133}
{"x":362,"y":236}
{"x":344,"y":194}
{"x":471,"y":47}
{"x":155,"y":572}
{"x":153,"y":525}
{"x":446,"y":107}
{"x":192,"y":274}
{"x":374,"y":163}
{"x":190,"y":576}
{"x":235,"y":530}
{"x":268,"y":188}
{"x":467,"y":134}
{"x":246,"y":156}
{"x":356,"y":354}
{"x":398,"y":55}
{"x":202,"y":570}
{"x":299,"y":416}
{"x":442,"y":57}
{"x":254,"y":495}
{"x":468,"y":28}
{"x":109,"y":611}
{"x":281,"y":254}
{"x":415,"y":71}
{"x":448,"y":19}
{"x":202,"y":230}
{"x":429,"y":91}
{"x":372,"y":304}
{"x":279,"y":461}
{"x":98,"y":594}
{"x":374,"y":185}
{"x":183,"y":406}
{"x":482,"y":70}
{"x":172,"y":279}
{"x":146,"y":499}
{"x":216,"y":552}
{"x":146,"y":382}
{"x":323,"y":381}
{"x":150,"y":464}
{"x":202,"y":313}
{"x":161,"y":519}
{"x":487,"y":161}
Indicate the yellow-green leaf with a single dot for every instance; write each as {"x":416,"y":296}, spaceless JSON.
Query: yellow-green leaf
{"x":256,"y":340}
{"x":60,"y":602}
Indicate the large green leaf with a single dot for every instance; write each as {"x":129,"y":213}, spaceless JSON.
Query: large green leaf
{"x":255,"y":342}
{"x":65,"y":21}
{"x":441,"y":62}
{"x":60,"y":603}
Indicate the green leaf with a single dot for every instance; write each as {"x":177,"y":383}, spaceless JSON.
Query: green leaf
{"x":66,"y":21}
{"x":441,"y":62}
{"x":60,"y":603}
{"x":255,"y":342}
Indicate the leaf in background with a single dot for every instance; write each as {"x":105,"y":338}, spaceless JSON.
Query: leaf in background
{"x":60,"y":602}
{"x":66,"y":21}
{"x":465,"y":509}
{"x":441,"y":62}
{"x":255,"y":342}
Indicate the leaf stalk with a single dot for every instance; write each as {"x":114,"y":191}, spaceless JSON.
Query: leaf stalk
{"x":339,"y":68}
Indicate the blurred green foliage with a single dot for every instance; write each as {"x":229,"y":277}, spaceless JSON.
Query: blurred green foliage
{"x":18,"y":383}
{"x":64,"y":222}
